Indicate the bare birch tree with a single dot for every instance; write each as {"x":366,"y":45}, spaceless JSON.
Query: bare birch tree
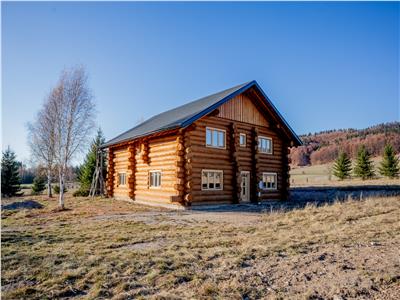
{"x":72,"y":110}
{"x":41,"y":140}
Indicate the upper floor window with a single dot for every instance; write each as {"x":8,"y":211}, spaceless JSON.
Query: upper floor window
{"x":265,"y":145}
{"x":215,"y":138}
{"x":121,"y":178}
{"x":242,"y":140}
{"x":269,"y":181}
{"x":155,"y":178}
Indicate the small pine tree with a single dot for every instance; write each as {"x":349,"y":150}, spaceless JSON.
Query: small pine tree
{"x":86,"y":171}
{"x":390,"y":164}
{"x":39,"y":185}
{"x":364,"y":167}
{"x":10,"y":180}
{"x":57,"y":189}
{"x":342,"y":166}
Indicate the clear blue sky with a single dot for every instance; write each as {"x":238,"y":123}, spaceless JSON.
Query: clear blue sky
{"x":324,"y":65}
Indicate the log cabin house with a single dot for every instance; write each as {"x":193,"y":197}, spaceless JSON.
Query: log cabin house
{"x":229,"y":147}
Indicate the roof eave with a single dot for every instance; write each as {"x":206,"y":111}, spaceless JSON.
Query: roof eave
{"x":107,"y":145}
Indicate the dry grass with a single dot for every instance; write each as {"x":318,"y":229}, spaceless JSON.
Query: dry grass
{"x":113,"y":249}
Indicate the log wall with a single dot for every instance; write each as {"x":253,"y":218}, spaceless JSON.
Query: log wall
{"x":235,"y":159}
{"x":121,"y":165}
{"x":158,"y":154}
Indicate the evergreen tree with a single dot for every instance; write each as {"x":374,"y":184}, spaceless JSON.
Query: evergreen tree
{"x":39,"y":185}
{"x":364,"y":167}
{"x":10,"y":180}
{"x":57,"y":189}
{"x":390,"y":163}
{"x":342,"y":166}
{"x":86,"y":171}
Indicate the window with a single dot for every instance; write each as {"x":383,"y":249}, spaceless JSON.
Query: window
{"x":155,"y":178}
{"x":121,"y":178}
{"x":215,"y":137}
{"x":269,"y":181}
{"x":211,"y":179}
{"x":265,"y":145}
{"x":242,"y":140}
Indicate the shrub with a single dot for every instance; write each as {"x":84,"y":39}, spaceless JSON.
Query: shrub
{"x":39,"y":185}
{"x":81,"y":193}
{"x":57,"y":189}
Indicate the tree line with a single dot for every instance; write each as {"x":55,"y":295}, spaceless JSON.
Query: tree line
{"x":363,"y":167}
{"x":324,"y":147}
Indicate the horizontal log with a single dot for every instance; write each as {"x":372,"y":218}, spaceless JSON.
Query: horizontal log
{"x":156,"y":193}
{"x":151,"y":199}
{"x":227,"y":197}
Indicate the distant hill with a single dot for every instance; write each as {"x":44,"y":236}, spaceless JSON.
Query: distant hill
{"x":323,"y":147}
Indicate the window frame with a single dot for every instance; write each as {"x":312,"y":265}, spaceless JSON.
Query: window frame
{"x":217,"y":130}
{"x":245,"y":140}
{"x":119,"y":179}
{"x":266,"y":188}
{"x":212,"y":189}
{"x":266,"y":138}
{"x":155,"y":186}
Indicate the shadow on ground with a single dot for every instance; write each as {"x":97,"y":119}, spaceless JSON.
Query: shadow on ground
{"x":301,"y":197}
{"x":26,"y":204}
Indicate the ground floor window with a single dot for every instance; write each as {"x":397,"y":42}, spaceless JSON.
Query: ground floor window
{"x":121,"y":178}
{"x":155,"y":178}
{"x":269,"y":181}
{"x":211,"y":179}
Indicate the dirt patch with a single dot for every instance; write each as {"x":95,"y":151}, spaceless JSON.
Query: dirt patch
{"x":25,"y":204}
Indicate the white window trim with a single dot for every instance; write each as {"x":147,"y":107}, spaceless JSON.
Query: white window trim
{"x":245,"y":140}
{"x":214,"y":189}
{"x":155,"y":187}
{"x":218,"y":129}
{"x":276,"y":182}
{"x":267,"y":138}
{"x":119,"y":183}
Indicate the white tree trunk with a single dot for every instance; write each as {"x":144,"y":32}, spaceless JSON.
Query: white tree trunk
{"x":49,"y":193}
{"x":61,"y":198}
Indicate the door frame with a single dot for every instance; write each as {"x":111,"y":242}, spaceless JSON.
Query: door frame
{"x":247,"y":185}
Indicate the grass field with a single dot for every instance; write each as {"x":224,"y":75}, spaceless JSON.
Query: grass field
{"x":105,"y":248}
{"x":321,"y":175}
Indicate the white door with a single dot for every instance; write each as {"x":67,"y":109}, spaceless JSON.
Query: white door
{"x":245,"y":185}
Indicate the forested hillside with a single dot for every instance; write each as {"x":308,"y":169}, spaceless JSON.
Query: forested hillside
{"x":323,"y":147}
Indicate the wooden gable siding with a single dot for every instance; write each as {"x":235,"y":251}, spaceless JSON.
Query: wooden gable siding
{"x":241,"y":108}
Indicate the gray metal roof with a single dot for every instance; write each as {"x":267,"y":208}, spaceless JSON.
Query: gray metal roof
{"x":186,"y":114}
